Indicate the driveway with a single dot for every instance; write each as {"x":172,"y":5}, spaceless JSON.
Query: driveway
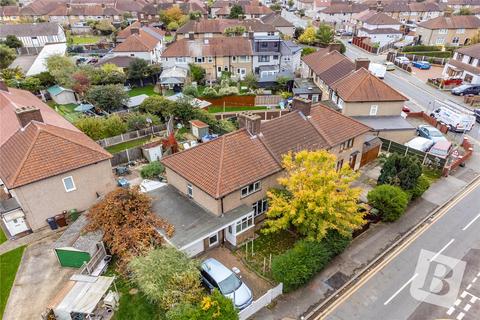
{"x":38,"y":279}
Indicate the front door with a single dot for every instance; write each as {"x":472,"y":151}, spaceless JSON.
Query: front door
{"x":353,"y":160}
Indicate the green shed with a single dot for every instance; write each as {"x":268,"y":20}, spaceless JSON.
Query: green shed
{"x":76,"y":247}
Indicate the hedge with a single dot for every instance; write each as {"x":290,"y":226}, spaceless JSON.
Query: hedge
{"x":436,"y":54}
{"x":298,"y":265}
{"x":390,"y":201}
{"x":152,"y":170}
{"x":420,"y":48}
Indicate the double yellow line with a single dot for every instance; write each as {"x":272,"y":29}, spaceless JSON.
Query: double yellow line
{"x":411,"y":238}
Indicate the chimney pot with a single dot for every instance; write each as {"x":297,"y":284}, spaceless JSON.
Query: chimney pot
{"x":362,"y":63}
{"x":27,"y":114}
{"x":302,"y":105}
{"x":250,"y":121}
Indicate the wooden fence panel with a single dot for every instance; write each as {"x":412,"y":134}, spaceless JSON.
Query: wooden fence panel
{"x":232,"y":101}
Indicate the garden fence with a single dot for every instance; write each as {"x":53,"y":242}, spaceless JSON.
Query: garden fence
{"x":131,"y":135}
{"x":268,"y":100}
{"x":126,"y":156}
{"x":425,"y":158}
{"x":261,"y":302}
{"x":264,"y":114}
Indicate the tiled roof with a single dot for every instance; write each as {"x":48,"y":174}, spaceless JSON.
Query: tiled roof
{"x":471,"y":51}
{"x":39,"y":151}
{"x":140,"y":42}
{"x":453,"y":22}
{"x":381,"y":31}
{"x":9,"y":11}
{"x":340,"y":8}
{"x":29,"y":29}
{"x":119,"y":61}
{"x":15,"y":99}
{"x":464,"y":66}
{"x":381,"y":19}
{"x":276,"y":20}
{"x":362,"y":86}
{"x":124,"y":33}
{"x":219,"y":26}
{"x":235,"y":160}
{"x":329,"y":66}
{"x":256,"y":9}
{"x":210,"y":47}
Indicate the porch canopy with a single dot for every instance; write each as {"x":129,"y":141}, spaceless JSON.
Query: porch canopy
{"x":174,"y":75}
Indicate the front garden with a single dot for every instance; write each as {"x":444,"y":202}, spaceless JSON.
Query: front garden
{"x":9,"y":263}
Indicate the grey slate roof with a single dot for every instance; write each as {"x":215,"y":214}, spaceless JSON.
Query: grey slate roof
{"x":29,"y":29}
{"x":385,"y":123}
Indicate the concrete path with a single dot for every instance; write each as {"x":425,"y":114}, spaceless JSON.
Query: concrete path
{"x":38,"y":279}
{"x":363,"y":250}
{"x":28,"y":239}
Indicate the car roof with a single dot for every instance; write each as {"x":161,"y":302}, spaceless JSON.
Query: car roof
{"x":442,"y":145}
{"x":419,"y":142}
{"x":216,"y":269}
{"x":427,"y":126}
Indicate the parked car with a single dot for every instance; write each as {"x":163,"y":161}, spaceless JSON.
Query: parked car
{"x":430,"y":132}
{"x":402,"y":60}
{"x":378,"y":70}
{"x":216,"y":276}
{"x":420,"y":144}
{"x":405,"y":109}
{"x":477,"y":114}
{"x":441,"y":149}
{"x":423,"y":65}
{"x":389,"y":65}
{"x":457,"y":117}
{"x":466,"y":89}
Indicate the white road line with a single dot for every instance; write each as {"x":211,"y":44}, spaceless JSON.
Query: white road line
{"x":469,"y":286}
{"x":471,"y":222}
{"x":460,"y":316}
{"x":399,"y":290}
{"x":441,"y":250}
{"x":467,"y":307}
{"x":474,"y":280}
{"x":457,"y":302}
{"x":450,"y":311}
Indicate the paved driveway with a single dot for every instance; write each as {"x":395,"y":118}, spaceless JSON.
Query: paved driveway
{"x":39,"y":278}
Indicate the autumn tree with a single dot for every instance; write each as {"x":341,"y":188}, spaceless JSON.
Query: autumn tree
{"x":173,"y":17}
{"x":315,"y":197}
{"x":129,"y":226}
{"x":308,"y":36}
{"x":167,"y":277}
{"x":81,"y":83}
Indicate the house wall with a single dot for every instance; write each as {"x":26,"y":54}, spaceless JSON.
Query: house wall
{"x":400,"y":136}
{"x":436,"y":37}
{"x":47,"y":198}
{"x":381,"y":39}
{"x":141,"y":55}
{"x":363,"y":108}
{"x":345,"y":154}
{"x":288,"y":31}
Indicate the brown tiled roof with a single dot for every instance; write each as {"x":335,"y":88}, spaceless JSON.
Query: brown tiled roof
{"x":257,"y":10}
{"x":362,"y":86}
{"x":381,"y":19}
{"x":219,"y":26}
{"x":329,"y":66}
{"x":137,"y":43}
{"x":464,"y":66}
{"x":345,"y":8}
{"x":235,"y":160}
{"x":276,"y":20}
{"x":198,"y":123}
{"x":211,"y":47}
{"x":471,"y":51}
{"x":124,"y":33}
{"x":15,"y":99}
{"x":9,"y":11}
{"x":453,"y":22}
{"x":39,"y":151}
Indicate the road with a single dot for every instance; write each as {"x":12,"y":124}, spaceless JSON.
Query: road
{"x":294,"y":19}
{"x":388,"y":291}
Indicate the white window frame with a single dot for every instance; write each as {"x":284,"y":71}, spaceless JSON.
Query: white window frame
{"x":260,"y":207}
{"x":443,"y":31}
{"x":73,"y":183}
{"x":210,"y":244}
{"x":189,"y":190}
{"x":440,"y":41}
{"x":251,"y":188}
{"x":461,"y":31}
{"x":249,"y":224}
{"x":373,"y":109}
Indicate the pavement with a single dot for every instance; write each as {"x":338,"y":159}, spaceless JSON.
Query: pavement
{"x":38,"y":279}
{"x":294,"y":19}
{"x":418,"y":285}
{"x":365,"y":249}
{"x":28,"y":239}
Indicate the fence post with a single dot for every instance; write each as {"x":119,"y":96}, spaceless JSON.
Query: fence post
{"x":122,"y":137}
{"x":389,"y":145}
{"x":128,"y":156}
{"x":406,"y":151}
{"x":424,"y":159}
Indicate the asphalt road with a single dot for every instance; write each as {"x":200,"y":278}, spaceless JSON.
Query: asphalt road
{"x":389,"y":293}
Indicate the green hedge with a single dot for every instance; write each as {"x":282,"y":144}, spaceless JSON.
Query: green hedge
{"x":390,"y":201}
{"x":297,"y":266}
{"x":421,"y":48}
{"x":152,"y":170}
{"x":436,"y":54}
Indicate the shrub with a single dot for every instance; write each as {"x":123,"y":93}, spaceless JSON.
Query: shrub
{"x":210,"y":92}
{"x":113,"y":126}
{"x":335,"y":242}
{"x":400,"y":170}
{"x":421,"y":48}
{"x":390,"y":201}
{"x":152,"y":170}
{"x":99,"y":128}
{"x":137,"y":121}
{"x":190,"y":91}
{"x":228,"y":91}
{"x":423,"y":183}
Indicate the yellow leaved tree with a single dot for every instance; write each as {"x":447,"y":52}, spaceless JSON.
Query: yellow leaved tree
{"x":315,"y":197}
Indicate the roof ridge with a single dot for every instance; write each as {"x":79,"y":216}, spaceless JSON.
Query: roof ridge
{"x":320,"y":131}
{"x":29,"y":150}
{"x":220,"y":167}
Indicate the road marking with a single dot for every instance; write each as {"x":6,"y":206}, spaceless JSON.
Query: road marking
{"x":400,"y":290}
{"x":467,"y":307}
{"x":469,"y":286}
{"x":441,"y":250}
{"x":474,"y":280}
{"x":460,"y":316}
{"x":450,"y":311}
{"x":457,"y":302}
{"x":471,"y":222}
{"x":395,"y":252}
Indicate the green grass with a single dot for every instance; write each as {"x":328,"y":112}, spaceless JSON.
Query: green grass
{"x":217,"y":109}
{"x":85,"y":39}
{"x":264,"y":245}
{"x":431,"y":174}
{"x":3,"y":238}
{"x":148,"y":90}
{"x":66,"y":110}
{"x":9,"y":263}
{"x":127,"y":145}
{"x":168,"y":38}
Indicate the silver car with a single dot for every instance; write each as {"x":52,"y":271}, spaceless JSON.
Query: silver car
{"x":216,"y":275}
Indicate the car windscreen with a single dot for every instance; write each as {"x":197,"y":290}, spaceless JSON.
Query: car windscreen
{"x":230,"y":284}
{"x":435,"y":133}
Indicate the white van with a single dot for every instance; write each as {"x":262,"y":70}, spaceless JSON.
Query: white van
{"x":378,"y":70}
{"x":455,"y":116}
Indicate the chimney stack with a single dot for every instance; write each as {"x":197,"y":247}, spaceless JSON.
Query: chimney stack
{"x":191,"y":36}
{"x":27,"y":114}
{"x":134,"y":31}
{"x":362,"y":63}
{"x":250,"y":121}
{"x":302,"y":105}
{"x":3,"y":86}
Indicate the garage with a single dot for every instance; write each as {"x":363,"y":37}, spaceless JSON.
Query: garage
{"x":13,"y":217}
{"x":194,"y":249}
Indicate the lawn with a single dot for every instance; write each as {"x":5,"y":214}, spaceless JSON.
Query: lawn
{"x":233,"y":109}
{"x":9,"y":263}
{"x":148,"y":90}
{"x":66,"y":110}
{"x":127,"y":145}
{"x":264,"y":246}
{"x":85,"y":39}
{"x":3,"y":238}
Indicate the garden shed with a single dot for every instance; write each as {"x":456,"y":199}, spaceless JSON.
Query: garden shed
{"x":62,"y":95}
{"x":76,"y":247}
{"x":199,"y":128}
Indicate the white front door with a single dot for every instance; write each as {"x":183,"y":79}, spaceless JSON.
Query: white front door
{"x":230,"y":234}
{"x":15,"y":222}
